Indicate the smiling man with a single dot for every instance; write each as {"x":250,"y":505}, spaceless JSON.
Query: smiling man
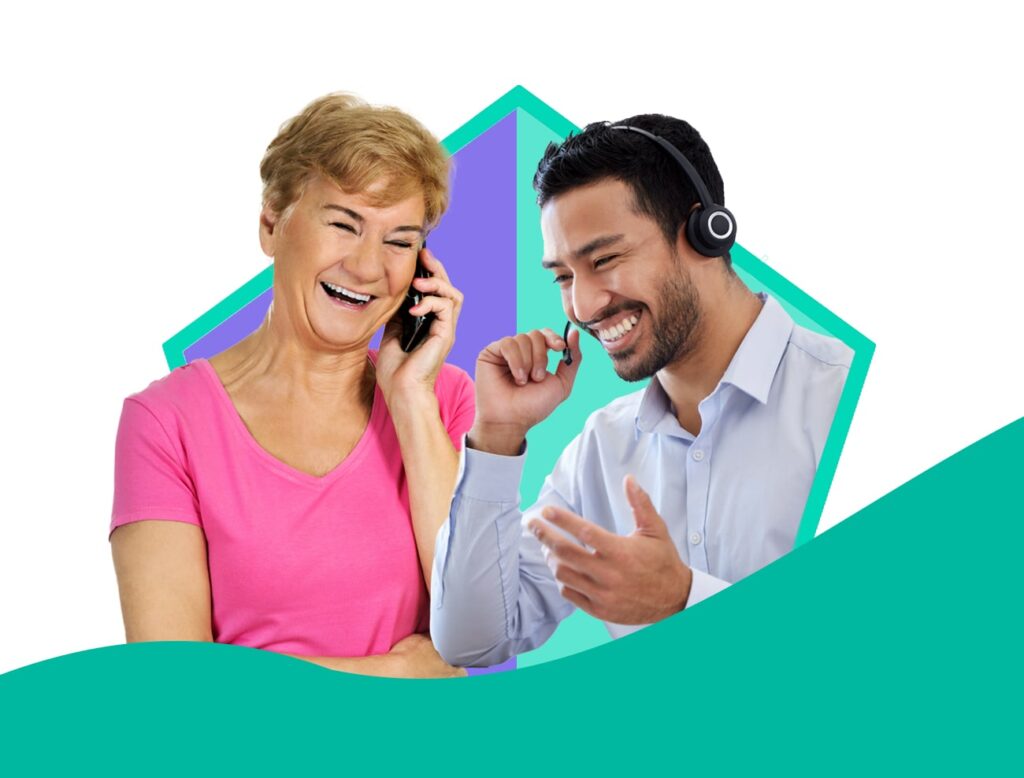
{"x":668,"y":494}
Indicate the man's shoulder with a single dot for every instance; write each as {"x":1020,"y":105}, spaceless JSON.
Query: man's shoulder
{"x":617,"y":416}
{"x":817,"y":351}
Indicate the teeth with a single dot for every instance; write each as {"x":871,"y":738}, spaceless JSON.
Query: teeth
{"x":614,"y":333}
{"x":348,"y":292}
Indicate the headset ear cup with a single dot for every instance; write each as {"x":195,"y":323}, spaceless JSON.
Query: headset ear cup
{"x":694,"y":234}
{"x":715,"y":230}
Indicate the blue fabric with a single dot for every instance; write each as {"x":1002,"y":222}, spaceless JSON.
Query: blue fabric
{"x":732,"y":496}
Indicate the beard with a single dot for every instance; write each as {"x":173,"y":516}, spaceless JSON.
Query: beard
{"x":674,"y":330}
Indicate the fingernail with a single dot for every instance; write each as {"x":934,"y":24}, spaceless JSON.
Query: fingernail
{"x":520,"y":376}
{"x":538,"y":374}
{"x":548,"y":513}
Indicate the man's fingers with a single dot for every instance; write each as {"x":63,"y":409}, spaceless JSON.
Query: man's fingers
{"x":526,"y":355}
{"x":569,"y":576}
{"x":564,"y":547}
{"x":644,"y":513}
{"x":539,"y":347}
{"x":586,"y":532}
{"x":578,"y":599}
{"x":510,"y":351}
{"x":567,"y":373}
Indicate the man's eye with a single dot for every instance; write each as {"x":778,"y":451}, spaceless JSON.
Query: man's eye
{"x":562,"y":279}
{"x":343,"y":226}
{"x":605,"y":260}
{"x":400,"y":244}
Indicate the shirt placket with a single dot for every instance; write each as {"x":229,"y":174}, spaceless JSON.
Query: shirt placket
{"x":698,"y":482}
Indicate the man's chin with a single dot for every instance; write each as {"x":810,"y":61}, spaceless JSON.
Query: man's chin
{"x":629,"y":367}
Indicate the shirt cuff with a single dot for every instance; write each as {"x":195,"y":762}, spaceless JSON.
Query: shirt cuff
{"x":490,"y":477}
{"x":703,"y":586}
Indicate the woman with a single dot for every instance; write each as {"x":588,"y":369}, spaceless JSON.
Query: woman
{"x":286,"y":494}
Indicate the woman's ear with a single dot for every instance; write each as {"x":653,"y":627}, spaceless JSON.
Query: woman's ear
{"x":268,"y":230}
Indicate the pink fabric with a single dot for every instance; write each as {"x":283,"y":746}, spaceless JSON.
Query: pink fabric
{"x":298,"y":564}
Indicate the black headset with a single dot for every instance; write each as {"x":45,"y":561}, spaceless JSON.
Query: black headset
{"x":711,"y":228}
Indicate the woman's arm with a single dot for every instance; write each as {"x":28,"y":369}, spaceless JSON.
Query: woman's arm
{"x":164,"y":582}
{"x":412,"y":657}
{"x":407,"y":381}
{"x":431,"y":466}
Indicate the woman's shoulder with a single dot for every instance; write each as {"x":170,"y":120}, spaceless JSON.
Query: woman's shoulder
{"x":180,"y":391}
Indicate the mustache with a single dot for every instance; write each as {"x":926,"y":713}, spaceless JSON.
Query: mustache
{"x":607,"y":313}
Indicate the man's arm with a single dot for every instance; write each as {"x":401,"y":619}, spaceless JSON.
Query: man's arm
{"x":493,"y":594}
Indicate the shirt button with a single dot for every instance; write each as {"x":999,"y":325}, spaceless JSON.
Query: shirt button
{"x":695,"y":538}
{"x":698,"y":455}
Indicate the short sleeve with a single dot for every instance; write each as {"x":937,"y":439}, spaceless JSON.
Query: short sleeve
{"x":457,"y":401}
{"x":150,"y":477}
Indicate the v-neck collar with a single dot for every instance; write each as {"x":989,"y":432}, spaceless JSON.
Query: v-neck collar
{"x":346,"y":464}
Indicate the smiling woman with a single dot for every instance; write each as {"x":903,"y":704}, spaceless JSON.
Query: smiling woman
{"x":286,"y":493}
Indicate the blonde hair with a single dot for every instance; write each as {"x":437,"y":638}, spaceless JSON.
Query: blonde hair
{"x":354,"y":145}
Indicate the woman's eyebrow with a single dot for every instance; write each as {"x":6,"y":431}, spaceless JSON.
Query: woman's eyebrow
{"x":343,"y":209}
{"x":359,"y":218}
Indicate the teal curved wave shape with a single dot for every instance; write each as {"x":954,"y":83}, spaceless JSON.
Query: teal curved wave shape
{"x":890,"y":643}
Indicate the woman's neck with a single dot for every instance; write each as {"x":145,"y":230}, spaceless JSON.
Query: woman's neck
{"x":277,"y":364}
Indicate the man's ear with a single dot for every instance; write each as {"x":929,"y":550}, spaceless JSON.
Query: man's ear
{"x":269,"y":227}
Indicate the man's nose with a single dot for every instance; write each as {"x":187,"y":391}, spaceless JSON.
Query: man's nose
{"x":589,"y":297}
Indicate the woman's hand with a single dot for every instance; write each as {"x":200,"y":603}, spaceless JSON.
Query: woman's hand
{"x":419,"y":659}
{"x":400,"y":374}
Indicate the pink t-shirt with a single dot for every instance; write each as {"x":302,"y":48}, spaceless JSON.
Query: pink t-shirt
{"x":298,"y":564}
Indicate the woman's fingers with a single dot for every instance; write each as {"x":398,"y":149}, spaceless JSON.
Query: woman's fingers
{"x":439,"y":287}
{"x":433,"y":264}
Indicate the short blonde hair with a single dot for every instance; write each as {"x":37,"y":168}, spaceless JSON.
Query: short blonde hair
{"x":354,"y":145}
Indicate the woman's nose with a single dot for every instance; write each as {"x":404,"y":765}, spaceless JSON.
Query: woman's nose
{"x":366,"y":261}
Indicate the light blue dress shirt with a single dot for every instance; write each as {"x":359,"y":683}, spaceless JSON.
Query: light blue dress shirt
{"x":732,"y":496}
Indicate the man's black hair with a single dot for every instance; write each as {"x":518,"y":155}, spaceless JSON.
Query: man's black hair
{"x":661,"y":190}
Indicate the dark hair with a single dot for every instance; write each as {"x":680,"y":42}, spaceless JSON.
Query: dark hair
{"x":661,"y":190}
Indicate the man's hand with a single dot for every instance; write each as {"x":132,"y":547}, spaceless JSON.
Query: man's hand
{"x":515,"y":391}
{"x":636,"y":579}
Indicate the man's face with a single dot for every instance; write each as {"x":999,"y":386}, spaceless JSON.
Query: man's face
{"x":620,"y":280}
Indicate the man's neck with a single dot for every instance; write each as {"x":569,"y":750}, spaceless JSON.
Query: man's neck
{"x":727,"y":313}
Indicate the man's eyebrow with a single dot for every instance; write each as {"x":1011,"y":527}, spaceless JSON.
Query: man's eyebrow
{"x":584,"y":250}
{"x":358,"y":217}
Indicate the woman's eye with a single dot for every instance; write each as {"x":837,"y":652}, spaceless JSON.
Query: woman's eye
{"x":400,"y":244}
{"x":343,"y":226}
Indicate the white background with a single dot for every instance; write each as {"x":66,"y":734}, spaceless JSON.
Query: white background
{"x":872,"y":155}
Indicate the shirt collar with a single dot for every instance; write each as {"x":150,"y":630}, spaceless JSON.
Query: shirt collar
{"x":752,"y":369}
{"x":753,"y":366}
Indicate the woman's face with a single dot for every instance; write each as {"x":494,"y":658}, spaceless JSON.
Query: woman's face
{"x":342,"y":266}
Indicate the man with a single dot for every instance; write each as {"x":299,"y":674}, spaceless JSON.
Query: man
{"x":668,"y":494}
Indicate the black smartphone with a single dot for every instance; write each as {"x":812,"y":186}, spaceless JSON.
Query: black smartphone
{"x":414,"y":328}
